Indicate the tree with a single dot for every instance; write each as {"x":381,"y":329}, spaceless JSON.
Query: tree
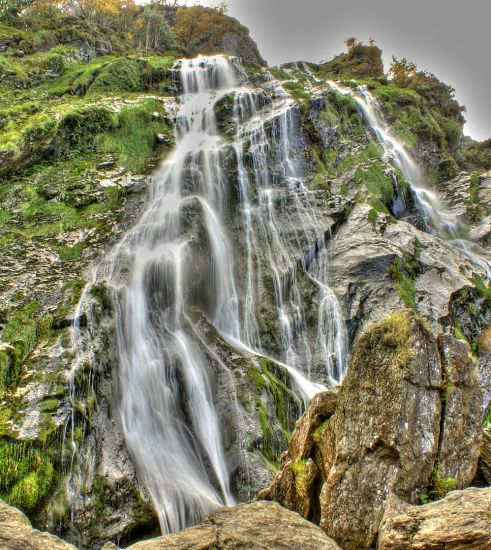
{"x":402,"y":71}
{"x":11,"y":8}
{"x":221,"y":7}
{"x":153,"y":31}
{"x":351,"y":42}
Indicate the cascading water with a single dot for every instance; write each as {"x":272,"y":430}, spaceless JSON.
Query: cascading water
{"x":183,"y":254}
{"x":265,"y":245}
{"x":437,"y":219}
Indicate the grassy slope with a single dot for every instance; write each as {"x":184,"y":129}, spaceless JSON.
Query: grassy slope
{"x":60,"y":117}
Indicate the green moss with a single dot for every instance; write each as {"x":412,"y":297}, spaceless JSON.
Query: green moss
{"x":459,"y":334}
{"x":119,"y":76}
{"x":403,"y":271}
{"x":257,"y":378}
{"x":134,"y":138}
{"x":278,"y":73}
{"x":102,"y":295}
{"x":276,"y":425}
{"x":474,"y":209}
{"x":70,"y":253}
{"x":487,"y":418}
{"x":483,"y":287}
{"x":403,"y":283}
{"x":296,"y":90}
{"x":377,"y":182}
{"x":26,"y":473}
{"x":299,"y":466}
{"x":21,"y":335}
{"x":317,"y":434}
{"x":438,"y":487}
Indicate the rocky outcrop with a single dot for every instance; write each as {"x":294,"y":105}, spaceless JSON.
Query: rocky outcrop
{"x":16,"y":533}
{"x":406,"y":424}
{"x":485,"y":457}
{"x":460,"y":435}
{"x":301,"y":469}
{"x":460,"y":520}
{"x":252,"y":526}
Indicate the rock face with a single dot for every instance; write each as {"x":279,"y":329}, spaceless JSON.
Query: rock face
{"x":295,"y":485}
{"x":407,"y":422}
{"x":460,"y":520}
{"x":485,"y":457}
{"x":249,"y":526}
{"x":377,"y":264}
{"x":16,"y":533}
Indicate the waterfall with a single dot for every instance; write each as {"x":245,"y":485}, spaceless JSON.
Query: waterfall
{"x":226,"y":215}
{"x":436,"y":218}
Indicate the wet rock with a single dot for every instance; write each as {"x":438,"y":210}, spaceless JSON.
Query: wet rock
{"x":109,"y":163}
{"x":361,"y":255}
{"x":253,"y":526}
{"x":460,"y":520}
{"x":18,"y":53}
{"x":16,"y":533}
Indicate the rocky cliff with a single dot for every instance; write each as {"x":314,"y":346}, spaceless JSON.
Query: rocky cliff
{"x":329,"y":265}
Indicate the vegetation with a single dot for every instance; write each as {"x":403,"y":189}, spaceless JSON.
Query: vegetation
{"x":360,"y":61}
{"x":26,"y":473}
{"x":392,"y":340}
{"x":207,"y":30}
{"x":438,"y":487}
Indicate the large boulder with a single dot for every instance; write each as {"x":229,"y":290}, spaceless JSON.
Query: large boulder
{"x":246,"y":527}
{"x":461,"y":520}
{"x":406,"y":426}
{"x":16,"y":533}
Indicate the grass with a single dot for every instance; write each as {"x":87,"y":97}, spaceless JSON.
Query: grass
{"x":392,"y":339}
{"x":403,"y":283}
{"x":134,"y":138}
{"x":21,"y":334}
{"x":296,"y":89}
{"x":26,"y":473}
{"x":119,"y":76}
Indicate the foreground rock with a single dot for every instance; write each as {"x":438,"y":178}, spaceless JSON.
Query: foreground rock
{"x":16,"y":533}
{"x":249,"y":526}
{"x":461,"y":520}
{"x":406,"y":425}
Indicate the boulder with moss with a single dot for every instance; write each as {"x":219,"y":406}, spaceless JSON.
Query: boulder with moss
{"x":407,"y":422}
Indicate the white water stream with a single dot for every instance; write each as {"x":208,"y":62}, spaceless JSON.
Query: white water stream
{"x":436,"y":217}
{"x":183,"y":253}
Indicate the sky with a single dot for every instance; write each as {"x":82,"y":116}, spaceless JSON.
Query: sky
{"x":450,"y":38}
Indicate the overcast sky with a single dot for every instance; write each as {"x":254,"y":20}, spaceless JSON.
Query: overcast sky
{"x":450,"y":38}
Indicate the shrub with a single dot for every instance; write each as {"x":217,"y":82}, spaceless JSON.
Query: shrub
{"x":122,"y":75}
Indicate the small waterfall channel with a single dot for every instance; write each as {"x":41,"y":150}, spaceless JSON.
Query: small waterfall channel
{"x":436,"y":218}
{"x":227,"y":216}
